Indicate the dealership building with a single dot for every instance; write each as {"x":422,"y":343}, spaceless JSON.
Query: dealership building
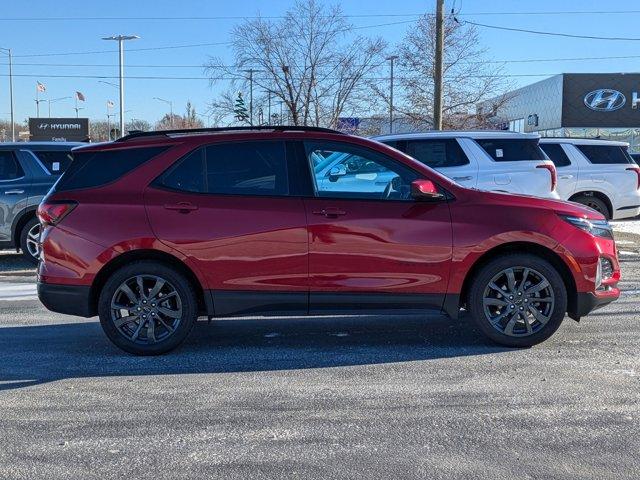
{"x":605,"y":105}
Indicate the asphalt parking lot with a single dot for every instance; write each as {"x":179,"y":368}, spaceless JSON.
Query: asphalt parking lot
{"x":345,"y":397}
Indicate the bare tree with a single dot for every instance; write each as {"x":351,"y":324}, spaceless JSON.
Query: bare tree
{"x":468,"y":78}
{"x":188,"y":120}
{"x":303,"y":60}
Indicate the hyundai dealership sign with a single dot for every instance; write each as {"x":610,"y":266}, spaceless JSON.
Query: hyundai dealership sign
{"x":59,"y":129}
{"x":605,"y":100}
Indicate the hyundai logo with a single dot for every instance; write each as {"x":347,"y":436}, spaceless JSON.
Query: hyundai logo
{"x":604,"y":100}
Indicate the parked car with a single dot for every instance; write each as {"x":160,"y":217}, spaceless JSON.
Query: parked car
{"x":179,"y":224}
{"x":596,"y":173}
{"x":27,"y":172}
{"x":635,"y":157}
{"x":486,"y":160}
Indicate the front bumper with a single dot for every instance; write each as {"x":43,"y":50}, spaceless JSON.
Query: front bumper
{"x":587,"y":302}
{"x":67,"y":299}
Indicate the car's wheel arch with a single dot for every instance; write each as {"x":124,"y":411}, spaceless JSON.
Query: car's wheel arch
{"x":517,"y":247}
{"x":594,"y":193}
{"x":20,"y":221}
{"x":204,"y":298}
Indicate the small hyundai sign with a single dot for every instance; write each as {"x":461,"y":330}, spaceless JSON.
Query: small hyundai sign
{"x":59,"y":129}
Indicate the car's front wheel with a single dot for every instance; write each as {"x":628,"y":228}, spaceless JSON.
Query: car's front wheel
{"x":147,"y":308}
{"x":518,"y":300}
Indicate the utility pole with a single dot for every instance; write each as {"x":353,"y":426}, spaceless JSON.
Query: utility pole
{"x":437,"y":89}
{"x":250,"y":71}
{"x":391,"y":59}
{"x":13,"y":127}
{"x":121,"y":39}
{"x":170,"y":103}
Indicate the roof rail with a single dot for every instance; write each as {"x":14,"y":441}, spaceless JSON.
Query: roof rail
{"x":277,"y":128}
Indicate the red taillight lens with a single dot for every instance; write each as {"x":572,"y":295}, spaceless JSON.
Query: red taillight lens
{"x":637,"y":170}
{"x":553,"y":172}
{"x":50,"y":213}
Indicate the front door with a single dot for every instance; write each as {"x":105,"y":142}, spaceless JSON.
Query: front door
{"x":228,"y":208}
{"x":371,"y":245}
{"x":14,"y":191}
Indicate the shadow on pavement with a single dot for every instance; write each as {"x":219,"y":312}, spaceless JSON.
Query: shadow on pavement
{"x":31,"y":355}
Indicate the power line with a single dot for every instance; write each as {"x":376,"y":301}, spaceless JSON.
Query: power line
{"x":276,"y":17}
{"x":553,"y":34}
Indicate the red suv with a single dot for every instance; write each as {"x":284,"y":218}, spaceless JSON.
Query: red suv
{"x":156,"y":229}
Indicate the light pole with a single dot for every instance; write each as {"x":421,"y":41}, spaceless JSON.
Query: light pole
{"x":170,"y":108}
{"x":391,"y":59}
{"x":121,"y":39}
{"x":13,"y":127}
{"x":53,"y":100}
{"x":250,"y":72}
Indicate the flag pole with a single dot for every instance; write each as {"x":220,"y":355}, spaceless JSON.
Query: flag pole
{"x":37,"y":101}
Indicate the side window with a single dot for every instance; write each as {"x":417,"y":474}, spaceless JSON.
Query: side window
{"x":55,"y":162}
{"x":605,"y":154}
{"x":10,"y":169}
{"x":437,"y":153}
{"x":188,"y":175}
{"x":556,"y":153}
{"x":353,"y":172}
{"x":250,"y":168}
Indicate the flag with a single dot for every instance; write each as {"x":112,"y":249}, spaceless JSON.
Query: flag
{"x":110,"y":104}
{"x":80,"y":96}
{"x":40,"y":87}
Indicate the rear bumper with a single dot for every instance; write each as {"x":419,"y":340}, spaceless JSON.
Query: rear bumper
{"x":587,"y":302}
{"x":67,"y":299}
{"x":626,"y":212}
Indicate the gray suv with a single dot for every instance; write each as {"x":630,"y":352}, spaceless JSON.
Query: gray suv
{"x":27,"y":172}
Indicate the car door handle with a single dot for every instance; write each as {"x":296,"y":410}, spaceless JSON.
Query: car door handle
{"x":182,"y":207}
{"x":14,"y":192}
{"x":565,"y":177}
{"x":330,"y":212}
{"x":468,"y":177}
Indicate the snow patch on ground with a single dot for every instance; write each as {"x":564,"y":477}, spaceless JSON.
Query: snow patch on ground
{"x":626,"y":226}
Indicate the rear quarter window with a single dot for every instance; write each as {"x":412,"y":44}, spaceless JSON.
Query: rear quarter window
{"x":605,"y":154}
{"x":56,"y":161}
{"x":512,"y":149}
{"x":556,"y":153}
{"x":94,"y":169}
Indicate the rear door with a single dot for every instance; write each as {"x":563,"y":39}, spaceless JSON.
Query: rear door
{"x":446,"y":155}
{"x":14,"y":186}
{"x":568,"y":169}
{"x":373,"y":249}
{"x":232,"y":209}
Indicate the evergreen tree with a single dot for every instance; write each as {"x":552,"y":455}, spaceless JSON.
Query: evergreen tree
{"x":240,"y":109}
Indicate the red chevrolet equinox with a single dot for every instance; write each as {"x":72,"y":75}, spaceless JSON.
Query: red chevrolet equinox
{"x":156,"y":229}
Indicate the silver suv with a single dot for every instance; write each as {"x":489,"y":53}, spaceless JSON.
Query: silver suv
{"x":27,"y":172}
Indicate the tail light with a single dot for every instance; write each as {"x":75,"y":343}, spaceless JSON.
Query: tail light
{"x":50,"y":213}
{"x":554,"y":174}
{"x":637,"y":170}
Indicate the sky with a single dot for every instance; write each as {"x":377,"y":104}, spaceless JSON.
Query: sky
{"x":50,"y":39}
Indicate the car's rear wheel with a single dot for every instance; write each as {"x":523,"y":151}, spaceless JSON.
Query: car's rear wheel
{"x":30,"y":241}
{"x":518,"y":300}
{"x":147,"y":308}
{"x":595,"y":203}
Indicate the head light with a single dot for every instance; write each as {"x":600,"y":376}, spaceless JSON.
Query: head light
{"x":597,"y":228}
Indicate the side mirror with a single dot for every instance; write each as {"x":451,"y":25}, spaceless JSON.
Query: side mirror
{"x":336,"y":172}
{"x":425,"y":190}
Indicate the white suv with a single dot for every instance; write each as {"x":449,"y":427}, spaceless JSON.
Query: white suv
{"x":486,"y":160}
{"x":598,"y":173}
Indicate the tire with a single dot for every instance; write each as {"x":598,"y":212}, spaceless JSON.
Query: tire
{"x":595,"y":203}
{"x":29,"y":235}
{"x":133,"y":334}
{"x":485,"y":303}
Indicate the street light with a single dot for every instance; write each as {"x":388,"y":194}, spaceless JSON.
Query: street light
{"x":7,"y":51}
{"x":53,"y":100}
{"x":170,"y":108}
{"x":121,"y":39}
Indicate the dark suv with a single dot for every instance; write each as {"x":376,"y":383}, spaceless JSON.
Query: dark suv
{"x":158,"y":228}
{"x":27,"y":172}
